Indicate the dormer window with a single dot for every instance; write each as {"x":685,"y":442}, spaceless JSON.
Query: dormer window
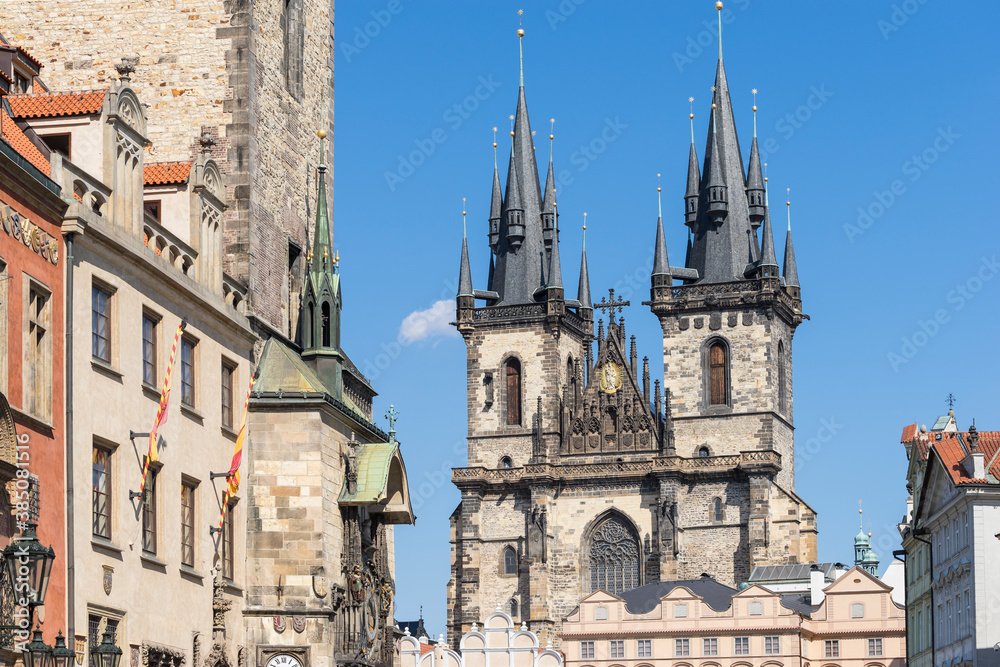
{"x":22,"y":84}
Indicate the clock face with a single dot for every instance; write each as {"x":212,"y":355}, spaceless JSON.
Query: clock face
{"x":284,"y":660}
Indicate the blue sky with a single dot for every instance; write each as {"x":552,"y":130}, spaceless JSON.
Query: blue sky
{"x":876,"y":114}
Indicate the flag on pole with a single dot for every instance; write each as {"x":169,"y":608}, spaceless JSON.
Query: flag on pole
{"x":161,"y":410}
{"x":233,"y":476}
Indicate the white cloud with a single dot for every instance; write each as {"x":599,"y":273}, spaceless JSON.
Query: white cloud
{"x":431,"y":323}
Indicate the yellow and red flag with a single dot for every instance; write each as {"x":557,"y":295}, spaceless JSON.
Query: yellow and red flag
{"x":161,"y":410}
{"x":233,"y":476}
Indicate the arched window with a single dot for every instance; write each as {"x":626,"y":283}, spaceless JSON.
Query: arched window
{"x":718,"y":382}
{"x":703,"y":453}
{"x":513,"y":392}
{"x":512,"y":605}
{"x":509,"y":561}
{"x":717,"y":510}
{"x":782,"y":392}
{"x":294,"y":43}
{"x":614,"y":558}
{"x":325,"y":324}
{"x":506,"y":462}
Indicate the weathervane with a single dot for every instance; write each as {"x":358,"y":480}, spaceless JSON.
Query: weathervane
{"x":950,"y":401}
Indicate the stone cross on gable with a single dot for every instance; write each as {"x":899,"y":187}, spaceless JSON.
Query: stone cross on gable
{"x":611,"y":305}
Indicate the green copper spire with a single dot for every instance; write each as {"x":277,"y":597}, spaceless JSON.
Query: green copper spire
{"x":322,"y":259}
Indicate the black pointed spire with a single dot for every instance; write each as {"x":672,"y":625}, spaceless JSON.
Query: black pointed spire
{"x":583,"y":291}
{"x":555,"y":268}
{"x":661,"y":263}
{"x":694,"y":180}
{"x":791,"y":272}
{"x":496,"y":202}
{"x":755,"y":179}
{"x":549,"y":214}
{"x":714,"y":188}
{"x":465,"y":272}
{"x":513,"y":208}
{"x":768,"y":261}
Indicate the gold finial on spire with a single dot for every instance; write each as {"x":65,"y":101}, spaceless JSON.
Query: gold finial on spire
{"x":494,"y":148}
{"x":718,"y":7}
{"x":520,"y":42}
{"x":552,"y":135}
{"x":713,"y":97}
{"x":869,"y":530}
{"x":659,"y":199}
{"x":765,"y":176}
{"x":585,"y":232}
{"x":512,"y":125}
{"x":463,"y":218}
{"x":754,"y":91}
{"x":789,"y":203}
{"x":691,"y":117}
{"x":860,"y":515}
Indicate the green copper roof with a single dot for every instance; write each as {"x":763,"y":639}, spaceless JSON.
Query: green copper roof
{"x":373,"y":474}
{"x":283,"y":370}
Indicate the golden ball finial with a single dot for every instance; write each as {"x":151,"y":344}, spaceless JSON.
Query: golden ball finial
{"x":494,"y":144}
{"x":321,"y":134}
{"x":551,"y":137}
{"x":691,"y":116}
{"x":718,"y":6}
{"x":512,"y":133}
{"x":520,"y":32}
{"x":659,"y":189}
{"x":755,"y":108}
{"x":713,"y":105}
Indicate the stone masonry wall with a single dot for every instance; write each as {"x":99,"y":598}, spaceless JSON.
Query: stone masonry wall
{"x":216,"y":67}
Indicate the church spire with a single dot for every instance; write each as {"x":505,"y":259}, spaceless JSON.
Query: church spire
{"x":550,"y":224}
{"x":694,"y":178}
{"x":465,"y":272}
{"x":755,"y":180}
{"x":583,"y":291}
{"x":714,"y":189}
{"x":791,"y":272}
{"x":521,"y":258}
{"x":661,"y":263}
{"x":496,"y":202}
{"x":322,"y":258}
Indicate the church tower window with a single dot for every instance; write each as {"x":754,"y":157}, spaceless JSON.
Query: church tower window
{"x":326,"y":323}
{"x":718,"y":369}
{"x":294,"y":45}
{"x":703,"y":453}
{"x":513,"y":608}
{"x":509,"y":562}
{"x":307,"y":328}
{"x":614,"y":558}
{"x":717,"y":510}
{"x":513,"y":392}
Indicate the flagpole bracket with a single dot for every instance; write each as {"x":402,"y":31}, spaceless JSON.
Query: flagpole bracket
{"x":217,"y":475}
{"x":134,"y":495}
{"x":132,"y":435}
{"x":212,"y":530}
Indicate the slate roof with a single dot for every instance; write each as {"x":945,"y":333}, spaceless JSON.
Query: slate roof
{"x":778,"y":573}
{"x":952,"y":448}
{"x":165,"y":173}
{"x":645,"y":598}
{"x":51,"y":105}
{"x":282,"y":370}
{"x":798,"y":603}
{"x":17,"y":140}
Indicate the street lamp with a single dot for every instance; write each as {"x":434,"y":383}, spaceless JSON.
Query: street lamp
{"x":105,"y":655}
{"x":25,"y":559}
{"x":37,"y":653}
{"x":62,"y":656}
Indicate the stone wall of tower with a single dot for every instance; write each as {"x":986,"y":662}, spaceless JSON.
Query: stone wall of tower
{"x":543,"y":358}
{"x":754,"y":420}
{"x":216,"y":67}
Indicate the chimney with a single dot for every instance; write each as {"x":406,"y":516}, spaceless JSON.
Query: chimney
{"x":975,"y":462}
{"x":816,"y":583}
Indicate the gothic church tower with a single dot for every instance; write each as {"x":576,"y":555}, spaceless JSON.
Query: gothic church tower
{"x":580,"y":477}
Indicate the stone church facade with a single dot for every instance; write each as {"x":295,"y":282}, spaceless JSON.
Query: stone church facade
{"x":580,"y":475}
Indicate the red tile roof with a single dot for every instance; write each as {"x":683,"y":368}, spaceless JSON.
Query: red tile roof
{"x":46,"y":105}
{"x":165,"y":173}
{"x":909,"y":433}
{"x":953,"y":451}
{"x":13,"y":135}
{"x":3,"y":75}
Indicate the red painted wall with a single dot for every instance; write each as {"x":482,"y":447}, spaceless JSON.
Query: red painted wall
{"x":46,"y":443}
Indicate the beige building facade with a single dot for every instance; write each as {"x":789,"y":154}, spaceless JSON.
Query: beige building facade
{"x":148,"y":569}
{"x":701,"y":622}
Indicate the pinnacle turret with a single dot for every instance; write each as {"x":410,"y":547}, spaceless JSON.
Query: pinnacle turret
{"x":755,"y":186}
{"x":693,"y":191}
{"x":583,"y":291}
{"x":790,"y":272}
{"x":496,"y":205}
{"x":465,"y":272}
{"x":661,"y":264}
{"x":768,"y":266}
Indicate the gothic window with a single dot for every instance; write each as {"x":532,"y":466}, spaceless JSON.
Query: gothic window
{"x":294,"y":43}
{"x":782,"y":395}
{"x":506,"y":462}
{"x":326,"y":323}
{"x":717,"y":510}
{"x":307,"y":329}
{"x":703,"y":453}
{"x":718,"y":369}
{"x":513,"y":392}
{"x":512,"y":606}
{"x":509,"y":561}
{"x":614,"y":558}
